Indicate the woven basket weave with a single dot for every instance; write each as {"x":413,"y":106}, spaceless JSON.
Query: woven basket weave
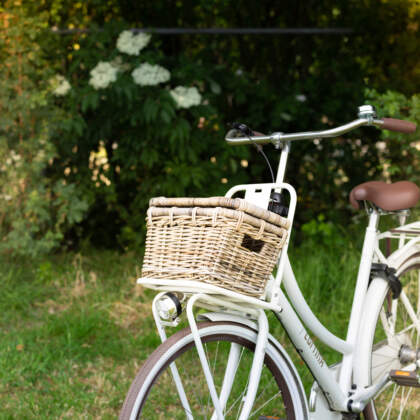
{"x":225,"y":242}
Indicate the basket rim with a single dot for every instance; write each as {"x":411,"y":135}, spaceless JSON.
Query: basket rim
{"x":238,"y":204}
{"x":215,"y":213}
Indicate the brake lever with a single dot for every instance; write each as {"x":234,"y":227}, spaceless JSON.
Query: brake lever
{"x":243,"y":128}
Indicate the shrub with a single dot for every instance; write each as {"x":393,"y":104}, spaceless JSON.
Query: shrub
{"x":36,"y":210}
{"x":140,"y":124}
{"x":399,"y":152}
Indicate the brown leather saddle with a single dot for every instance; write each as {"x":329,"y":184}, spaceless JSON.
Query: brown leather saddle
{"x":389,"y":197}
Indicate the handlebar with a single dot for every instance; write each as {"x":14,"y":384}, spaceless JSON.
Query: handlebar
{"x":276,"y":138}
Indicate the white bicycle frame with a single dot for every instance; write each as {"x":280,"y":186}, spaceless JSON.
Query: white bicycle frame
{"x":345,"y":387}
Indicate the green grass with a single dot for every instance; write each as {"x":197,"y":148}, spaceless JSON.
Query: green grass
{"x":74,"y":329}
{"x":73,"y":332}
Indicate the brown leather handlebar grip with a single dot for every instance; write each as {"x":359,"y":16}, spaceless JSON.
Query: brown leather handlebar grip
{"x":401,"y":126}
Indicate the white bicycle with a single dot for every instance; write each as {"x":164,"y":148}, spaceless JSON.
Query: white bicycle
{"x":227,"y":365}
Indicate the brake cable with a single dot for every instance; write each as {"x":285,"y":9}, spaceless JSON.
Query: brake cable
{"x":247,"y":132}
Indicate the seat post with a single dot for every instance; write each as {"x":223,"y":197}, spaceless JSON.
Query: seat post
{"x":402,"y":217}
{"x":373,"y":219}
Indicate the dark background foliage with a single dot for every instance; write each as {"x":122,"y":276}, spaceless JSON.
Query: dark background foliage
{"x":287,"y":82}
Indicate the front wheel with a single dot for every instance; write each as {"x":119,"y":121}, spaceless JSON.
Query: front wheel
{"x":154,"y":395}
{"x":395,"y":344}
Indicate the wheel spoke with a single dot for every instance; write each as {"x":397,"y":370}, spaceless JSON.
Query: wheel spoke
{"x":241,"y":402}
{"x":418,"y":293}
{"x":404,"y":401}
{"x":213,"y":368}
{"x":400,"y":329}
{"x":268,"y":401}
{"x":410,"y":312}
{"x":159,"y":397}
{"x":391,"y":402}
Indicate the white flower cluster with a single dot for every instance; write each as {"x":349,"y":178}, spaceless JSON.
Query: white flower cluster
{"x":132,"y":44}
{"x":105,"y":73}
{"x":102,"y":75}
{"x":381,"y":146}
{"x":186,"y":97}
{"x":150,"y":75}
{"x":61,"y":86}
{"x":6,"y":197}
{"x":14,"y":158}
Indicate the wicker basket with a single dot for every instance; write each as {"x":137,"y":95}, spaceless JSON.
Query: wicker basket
{"x":221,"y":241}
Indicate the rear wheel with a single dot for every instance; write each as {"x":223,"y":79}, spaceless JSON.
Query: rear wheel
{"x":153,"y":394}
{"x":395,"y":346}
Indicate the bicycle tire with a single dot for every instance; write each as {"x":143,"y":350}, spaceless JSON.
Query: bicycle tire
{"x":153,"y":393}
{"x":395,"y":401}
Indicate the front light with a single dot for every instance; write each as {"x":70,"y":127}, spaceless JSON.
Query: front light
{"x":169,"y":306}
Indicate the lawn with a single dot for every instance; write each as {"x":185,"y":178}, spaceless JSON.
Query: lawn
{"x":73,"y":332}
{"x":75,"y":328}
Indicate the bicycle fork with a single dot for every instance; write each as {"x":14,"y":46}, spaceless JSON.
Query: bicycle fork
{"x":220,"y":401}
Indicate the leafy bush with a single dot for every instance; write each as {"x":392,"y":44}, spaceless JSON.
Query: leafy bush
{"x":116,"y":138}
{"x":399,"y":152}
{"x":127,"y":139}
{"x":139,"y":125}
{"x":36,"y":210}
